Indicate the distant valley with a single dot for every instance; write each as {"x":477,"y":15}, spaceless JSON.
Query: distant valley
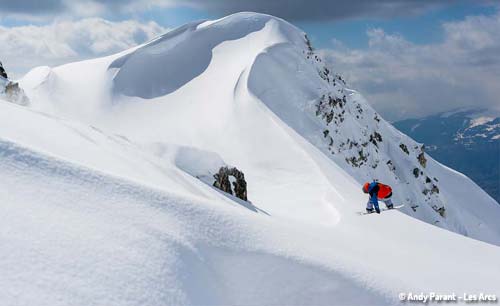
{"x":465,"y":140}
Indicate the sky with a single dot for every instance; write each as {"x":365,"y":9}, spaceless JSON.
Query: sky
{"x":410,"y":58}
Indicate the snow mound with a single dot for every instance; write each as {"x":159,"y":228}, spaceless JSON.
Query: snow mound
{"x":181,"y":55}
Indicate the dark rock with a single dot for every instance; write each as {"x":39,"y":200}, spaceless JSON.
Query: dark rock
{"x":359,"y":160}
{"x":2,"y":72}
{"x":222,"y":182}
{"x":15,"y":94}
{"x":391,"y":166}
{"x":375,"y":138}
{"x":404,"y":148}
{"x":329,"y":118}
{"x":12,"y":92}
{"x":434,"y":189}
{"x":309,"y":45}
{"x":416,"y":172}
{"x":440,"y":210}
{"x":421,"y":157}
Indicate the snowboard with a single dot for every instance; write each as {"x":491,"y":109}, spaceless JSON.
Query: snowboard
{"x":381,"y":210}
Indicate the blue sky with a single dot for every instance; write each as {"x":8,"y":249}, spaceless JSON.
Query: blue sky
{"x":422,"y":56}
{"x":420,"y":29}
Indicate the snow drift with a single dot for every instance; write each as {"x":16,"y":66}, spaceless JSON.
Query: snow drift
{"x":106,"y":182}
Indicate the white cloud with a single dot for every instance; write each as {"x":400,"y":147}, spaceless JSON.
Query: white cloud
{"x":79,"y":8}
{"x":25,"y":47}
{"x":404,"y":79}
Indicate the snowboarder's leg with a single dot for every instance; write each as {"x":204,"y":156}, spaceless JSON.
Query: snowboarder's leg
{"x":373,"y":200}
{"x":369,"y":207}
{"x":388,"y":203}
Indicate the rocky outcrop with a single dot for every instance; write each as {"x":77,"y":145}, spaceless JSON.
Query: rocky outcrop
{"x":3,"y":74}
{"x":421,"y":157}
{"x":440,"y":210}
{"x":11,"y":91}
{"x":226,"y":176}
{"x":391,"y":166}
{"x":354,"y":134}
{"x":404,"y":148}
{"x":15,"y":94}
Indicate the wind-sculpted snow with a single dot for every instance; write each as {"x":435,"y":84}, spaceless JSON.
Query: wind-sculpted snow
{"x":76,"y":236}
{"x":101,"y":240}
{"x":174,"y":59}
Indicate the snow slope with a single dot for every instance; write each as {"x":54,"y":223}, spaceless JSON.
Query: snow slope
{"x":78,"y":235}
{"x":106,"y":183}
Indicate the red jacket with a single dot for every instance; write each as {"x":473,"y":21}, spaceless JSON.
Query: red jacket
{"x":382,"y":191}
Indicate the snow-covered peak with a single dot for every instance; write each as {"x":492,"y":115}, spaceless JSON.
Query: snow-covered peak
{"x":176,"y":58}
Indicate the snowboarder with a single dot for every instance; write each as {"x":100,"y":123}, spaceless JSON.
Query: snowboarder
{"x":377,"y":192}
